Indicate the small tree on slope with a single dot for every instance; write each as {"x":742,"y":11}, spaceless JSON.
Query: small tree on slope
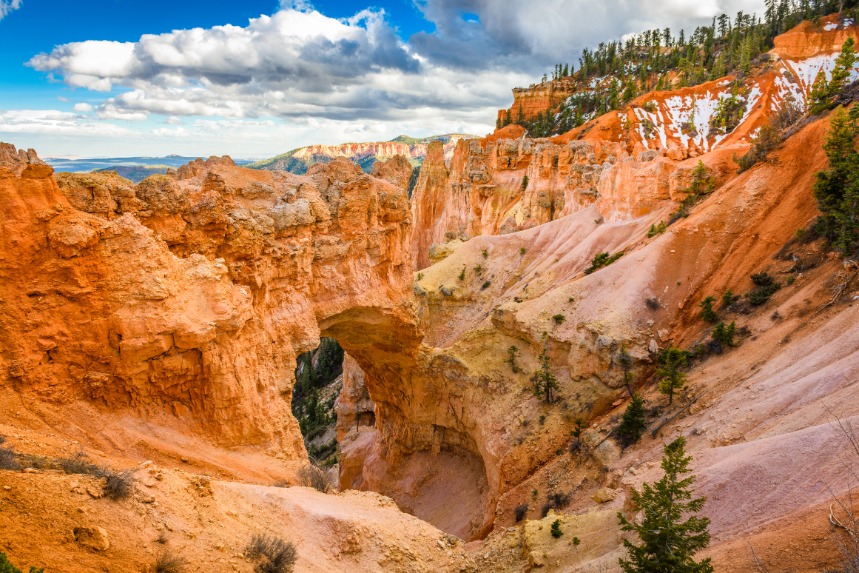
{"x":668,"y":542}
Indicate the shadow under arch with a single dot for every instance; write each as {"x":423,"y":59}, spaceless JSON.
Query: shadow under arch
{"x":415,"y":455}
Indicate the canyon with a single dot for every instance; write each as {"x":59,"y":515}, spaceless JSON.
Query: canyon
{"x":156,"y":327}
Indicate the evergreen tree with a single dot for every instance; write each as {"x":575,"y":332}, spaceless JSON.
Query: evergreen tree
{"x":843,"y":67}
{"x":668,"y":542}
{"x":633,"y":422}
{"x":672,"y":361}
{"x":544,"y":381}
{"x":817,"y":99}
{"x":837,"y":188}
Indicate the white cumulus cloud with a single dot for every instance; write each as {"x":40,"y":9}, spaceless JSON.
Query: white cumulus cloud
{"x":326,"y":79}
{"x":7,"y":6}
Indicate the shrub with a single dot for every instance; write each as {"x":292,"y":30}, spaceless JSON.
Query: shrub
{"x":602,"y":260}
{"x":556,"y":500}
{"x":788,"y":114}
{"x":521,"y":512}
{"x":478,"y":270}
{"x":271,"y":554}
{"x":118,"y":485}
{"x":766,"y":287}
{"x":167,"y":562}
{"x":728,"y":298}
{"x":707,"y":312}
{"x":79,"y":464}
{"x":462,"y":274}
{"x":765,"y":141}
{"x":420,"y":276}
{"x":485,"y":285}
{"x":524,"y":182}
{"x":559,"y":318}
{"x":522,"y":250}
{"x":312,"y":476}
{"x":8,"y":458}
{"x":652,"y":303}
{"x":649,"y":106}
{"x":556,"y":529}
{"x":633,"y":422}
{"x":485,"y":253}
{"x":657,"y":229}
{"x":724,"y":335}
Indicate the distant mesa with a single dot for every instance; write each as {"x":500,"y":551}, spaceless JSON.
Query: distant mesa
{"x":364,"y":154}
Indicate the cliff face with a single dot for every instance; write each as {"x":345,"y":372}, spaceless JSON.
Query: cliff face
{"x":536,"y":99}
{"x":626,"y":160}
{"x":187,"y":299}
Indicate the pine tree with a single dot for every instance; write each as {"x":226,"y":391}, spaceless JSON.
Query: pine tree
{"x":670,"y":371}
{"x":668,"y":541}
{"x":843,"y":67}
{"x":837,"y":188}
{"x":544,"y":381}
{"x":817,"y":99}
{"x":633,"y":422}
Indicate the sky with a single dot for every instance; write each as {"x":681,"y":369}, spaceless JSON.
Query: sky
{"x":252,"y":79}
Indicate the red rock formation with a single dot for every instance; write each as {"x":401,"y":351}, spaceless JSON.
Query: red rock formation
{"x":537,"y":99}
{"x":187,"y":298}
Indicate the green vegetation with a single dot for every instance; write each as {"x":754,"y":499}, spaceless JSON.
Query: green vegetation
{"x":511,"y":359}
{"x":672,"y":361}
{"x":728,"y":298}
{"x":729,"y":112}
{"x":657,"y":229}
{"x":524,"y":182}
{"x":559,"y":318}
{"x":723,"y":335}
{"x":7,"y":567}
{"x":701,"y":183}
{"x":668,"y":538}
{"x":613,"y":74}
{"x":837,"y":188}
{"x":556,"y":529}
{"x":823,"y":93}
{"x":602,"y":260}
{"x":545,"y":383}
{"x":765,"y":285}
{"x":633,"y":423}
{"x":462,"y":274}
{"x":315,"y":412}
{"x":707,"y":312}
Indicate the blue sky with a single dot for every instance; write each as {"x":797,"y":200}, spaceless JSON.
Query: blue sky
{"x":256,"y":78}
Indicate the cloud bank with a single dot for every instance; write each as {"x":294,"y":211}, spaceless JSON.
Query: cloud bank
{"x":299,"y":66}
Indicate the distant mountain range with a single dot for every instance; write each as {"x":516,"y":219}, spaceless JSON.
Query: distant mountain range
{"x":364,"y":154}
{"x":134,"y":168}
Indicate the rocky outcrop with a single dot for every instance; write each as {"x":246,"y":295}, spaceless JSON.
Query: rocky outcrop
{"x":186,"y":298}
{"x":537,"y":99}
